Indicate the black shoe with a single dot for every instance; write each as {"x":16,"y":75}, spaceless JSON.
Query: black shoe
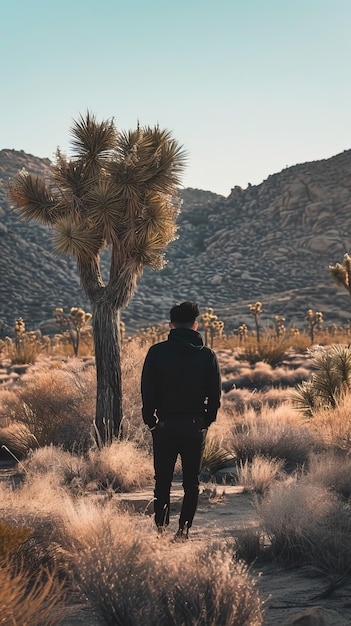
{"x":181,"y":535}
{"x":161,"y":530}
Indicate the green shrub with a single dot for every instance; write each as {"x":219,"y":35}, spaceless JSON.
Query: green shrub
{"x":329,"y":383}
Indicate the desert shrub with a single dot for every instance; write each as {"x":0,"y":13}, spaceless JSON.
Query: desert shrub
{"x":56,"y":405}
{"x":17,"y":440}
{"x":243,"y":400}
{"x":268,"y":351}
{"x":332,"y":471}
{"x":213,"y":590}
{"x":271,"y":435}
{"x":25,"y":350}
{"x":122,"y":466}
{"x":64,"y":467}
{"x":259,"y":474}
{"x":249,"y":544}
{"x":129,"y":580}
{"x":308,"y":524}
{"x":263,"y":376}
{"x":333,"y":426}
{"x":11,"y":537}
{"x":293,"y":514}
{"x":329,"y":546}
{"x":37,"y":604}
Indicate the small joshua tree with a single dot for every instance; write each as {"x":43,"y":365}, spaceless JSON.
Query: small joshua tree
{"x":279,"y":326}
{"x":20,"y":329}
{"x":256,"y":310}
{"x":242,"y":332}
{"x":213,"y":327}
{"x":119,"y":191}
{"x":341,"y":273}
{"x":73,"y":322}
{"x":314,"y":320}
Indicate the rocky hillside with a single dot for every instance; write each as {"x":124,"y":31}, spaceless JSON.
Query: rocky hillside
{"x":271,"y":242}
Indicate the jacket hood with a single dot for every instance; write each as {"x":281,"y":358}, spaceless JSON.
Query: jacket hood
{"x":186,"y":339}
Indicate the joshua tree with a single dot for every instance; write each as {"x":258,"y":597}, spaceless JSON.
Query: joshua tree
{"x":314,"y":320}
{"x":256,"y":310}
{"x":115,"y":191}
{"x":73,"y":322}
{"x":341,"y":272}
{"x":279,"y":327}
{"x":242,"y":331}
{"x":20,"y":329}
{"x":213,"y":327}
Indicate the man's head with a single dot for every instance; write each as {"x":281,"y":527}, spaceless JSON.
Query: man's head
{"x":184,"y":315}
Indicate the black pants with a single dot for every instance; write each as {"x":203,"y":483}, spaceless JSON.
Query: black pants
{"x":169,"y":440}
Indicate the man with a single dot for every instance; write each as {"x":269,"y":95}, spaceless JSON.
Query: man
{"x":181,"y":389}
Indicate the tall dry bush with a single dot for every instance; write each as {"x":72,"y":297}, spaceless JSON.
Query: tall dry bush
{"x":292,"y":514}
{"x":275,"y":434}
{"x":122,"y":466}
{"x":129,"y":580}
{"x":307,"y":523}
{"x":259,"y":474}
{"x":332,"y":471}
{"x":332,"y":426}
{"x":55,"y":402}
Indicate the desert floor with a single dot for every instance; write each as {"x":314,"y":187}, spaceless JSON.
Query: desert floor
{"x":222,"y":513}
{"x":287,"y":593}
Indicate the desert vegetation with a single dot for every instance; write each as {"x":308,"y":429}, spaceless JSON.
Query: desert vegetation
{"x":69,"y":543}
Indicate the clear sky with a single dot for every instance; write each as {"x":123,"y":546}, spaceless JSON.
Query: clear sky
{"x":247,"y":86}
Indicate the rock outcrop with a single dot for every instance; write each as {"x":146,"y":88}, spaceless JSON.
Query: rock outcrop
{"x":272,"y":242}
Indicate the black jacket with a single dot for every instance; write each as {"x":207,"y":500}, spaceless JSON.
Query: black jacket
{"x":180,"y":379}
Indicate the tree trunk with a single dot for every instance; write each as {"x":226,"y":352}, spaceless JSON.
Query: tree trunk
{"x":108,"y":371}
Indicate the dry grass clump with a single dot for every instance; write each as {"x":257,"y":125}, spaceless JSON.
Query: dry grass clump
{"x":259,"y":474}
{"x":275,"y":434}
{"x":263,"y":376}
{"x":128,"y":580}
{"x":56,"y":405}
{"x":333,"y":426}
{"x":122,"y":466}
{"x":17,"y":440}
{"x":332,"y":471}
{"x":242,"y":400}
{"x":269,"y":351}
{"x":23,"y":603}
{"x":249,"y":544}
{"x":306,"y":523}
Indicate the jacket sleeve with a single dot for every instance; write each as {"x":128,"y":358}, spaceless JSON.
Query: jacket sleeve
{"x":148,"y":391}
{"x":214,"y":390}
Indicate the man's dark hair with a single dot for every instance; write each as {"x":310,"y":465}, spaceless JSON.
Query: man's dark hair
{"x":184,"y":314}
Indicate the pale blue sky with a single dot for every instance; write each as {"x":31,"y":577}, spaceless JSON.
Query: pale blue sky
{"x":247,"y":86}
